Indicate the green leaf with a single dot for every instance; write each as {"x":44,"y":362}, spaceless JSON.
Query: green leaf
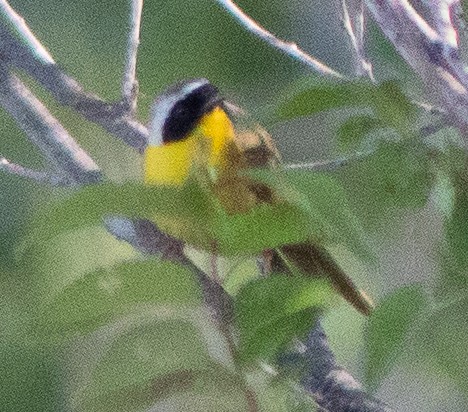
{"x":388,"y":326}
{"x":444,"y":194}
{"x":148,"y":352}
{"x":390,"y":105}
{"x":393,"y":108}
{"x":443,"y":338}
{"x":448,"y":144}
{"x":214,"y":387}
{"x":71,"y":255}
{"x":190,"y":213}
{"x":30,"y":378}
{"x":212,"y":382}
{"x":266,"y":226}
{"x":353,"y":131}
{"x":396,"y":175}
{"x":311,"y":99}
{"x":107,"y":294}
{"x":271,"y":312}
{"x":453,"y":276}
{"x":331,"y":219}
{"x":240,"y":274}
{"x":454,"y":273}
{"x":457,"y":226}
{"x":228,"y":401}
{"x":134,"y":399}
{"x":163,"y":356}
{"x":387,"y":55}
{"x":275,"y":393}
{"x":169,"y":206}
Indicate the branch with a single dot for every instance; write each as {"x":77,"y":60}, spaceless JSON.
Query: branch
{"x":335,"y":164}
{"x":291,"y":49}
{"x":38,"y":176}
{"x":45,"y":131}
{"x":432,"y":54}
{"x":129,"y":82}
{"x":149,"y":240}
{"x":354,"y":23}
{"x":443,"y":14}
{"x":19,"y":48}
{"x":333,"y":388}
{"x":330,"y":165}
{"x":25,"y":35}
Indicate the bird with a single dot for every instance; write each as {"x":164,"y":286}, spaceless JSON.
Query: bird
{"x":193,"y":129}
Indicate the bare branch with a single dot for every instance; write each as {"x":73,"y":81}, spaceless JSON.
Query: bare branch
{"x":45,"y":131}
{"x":321,"y":165}
{"x":329,"y":165}
{"x":354,"y":23}
{"x":129,"y":81}
{"x":333,"y":388}
{"x":25,"y":35}
{"x":443,"y":14}
{"x":38,"y":176}
{"x":335,"y":164}
{"x":291,"y":49}
{"x":148,"y":239}
{"x":26,"y":53}
{"x":330,"y":385}
{"x":432,"y":56}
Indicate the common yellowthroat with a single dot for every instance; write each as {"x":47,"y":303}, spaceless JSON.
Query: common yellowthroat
{"x":193,"y":127}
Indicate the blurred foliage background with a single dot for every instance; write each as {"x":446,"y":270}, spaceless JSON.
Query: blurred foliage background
{"x":183,"y":39}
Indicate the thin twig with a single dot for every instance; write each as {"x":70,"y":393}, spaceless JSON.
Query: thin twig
{"x":36,"y":175}
{"x":354,"y":23}
{"x":27,"y":53}
{"x":329,"y":165}
{"x":404,"y":7}
{"x":321,"y":165}
{"x":291,"y":49}
{"x":45,"y":131}
{"x":129,"y":81}
{"x":432,"y":56}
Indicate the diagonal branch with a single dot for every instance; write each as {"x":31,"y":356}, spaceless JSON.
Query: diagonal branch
{"x":334,"y":388}
{"x":45,"y":131}
{"x":38,"y":176}
{"x":354,"y":24}
{"x":291,"y":49}
{"x":19,"y":48}
{"x":443,"y":12}
{"x":433,"y":56}
{"x":24,"y":34}
{"x":144,"y":236}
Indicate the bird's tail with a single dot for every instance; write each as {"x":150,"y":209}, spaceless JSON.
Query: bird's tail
{"x":314,"y":260}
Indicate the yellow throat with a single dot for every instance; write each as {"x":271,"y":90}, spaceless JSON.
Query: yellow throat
{"x":170,"y":163}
